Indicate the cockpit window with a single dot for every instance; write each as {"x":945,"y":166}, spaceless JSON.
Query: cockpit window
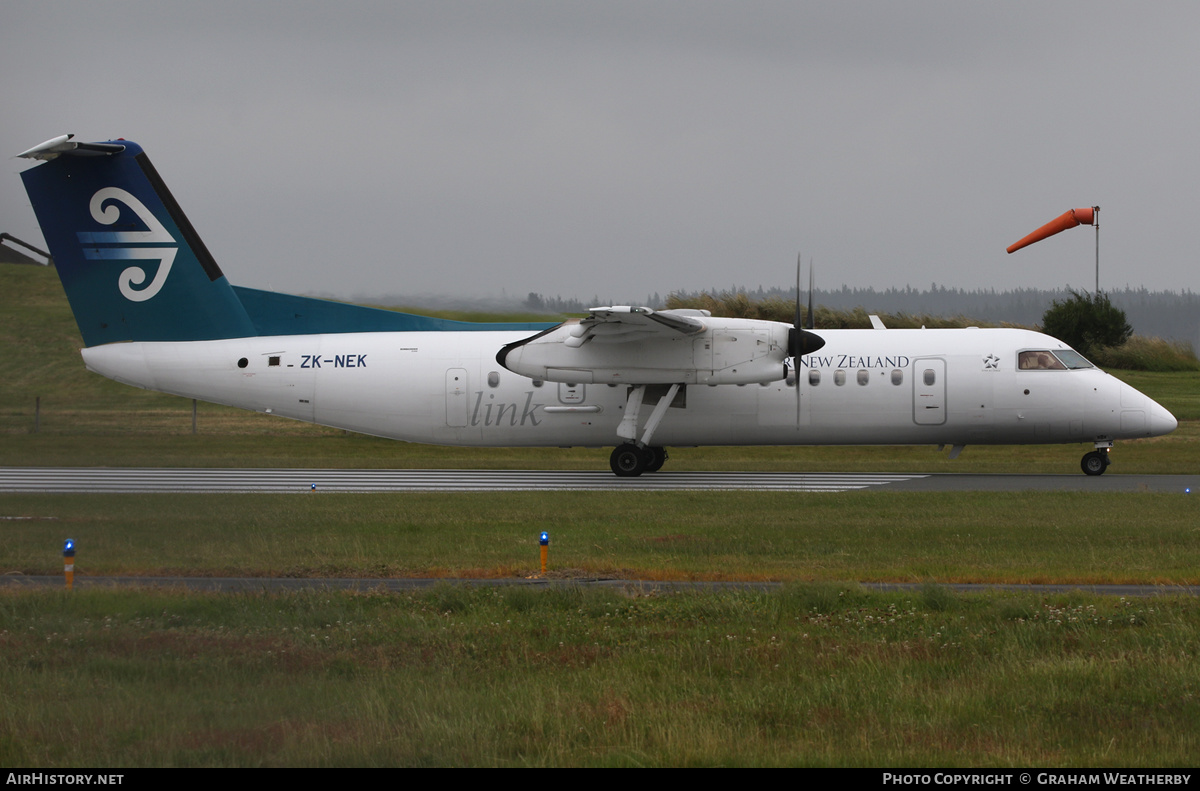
{"x":1046,"y":360}
{"x":1073,"y":359}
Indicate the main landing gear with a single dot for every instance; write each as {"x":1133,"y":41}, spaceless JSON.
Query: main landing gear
{"x":631,"y":459}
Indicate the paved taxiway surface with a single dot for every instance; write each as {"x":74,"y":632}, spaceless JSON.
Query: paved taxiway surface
{"x":157,"y":479}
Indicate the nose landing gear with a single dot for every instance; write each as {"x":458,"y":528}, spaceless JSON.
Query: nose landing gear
{"x":1095,"y":462}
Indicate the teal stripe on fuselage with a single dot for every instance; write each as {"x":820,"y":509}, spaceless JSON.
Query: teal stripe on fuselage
{"x":285,"y":314}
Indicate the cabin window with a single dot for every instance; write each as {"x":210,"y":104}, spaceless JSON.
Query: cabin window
{"x":814,"y":376}
{"x":839,"y":377}
{"x":493,"y":379}
{"x":864,"y":376}
{"x":538,"y":382}
{"x":929,"y":377}
{"x":897,"y":377}
{"x":242,"y":363}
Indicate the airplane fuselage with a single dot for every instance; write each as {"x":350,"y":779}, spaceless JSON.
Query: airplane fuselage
{"x":864,"y":387}
{"x":155,"y":311}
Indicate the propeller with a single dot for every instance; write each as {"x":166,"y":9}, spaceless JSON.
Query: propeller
{"x":800,"y":340}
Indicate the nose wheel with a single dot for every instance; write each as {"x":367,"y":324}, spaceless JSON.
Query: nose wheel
{"x":1095,"y":462}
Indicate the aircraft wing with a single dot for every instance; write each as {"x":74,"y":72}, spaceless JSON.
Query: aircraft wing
{"x":625,"y":323}
{"x":642,"y":346}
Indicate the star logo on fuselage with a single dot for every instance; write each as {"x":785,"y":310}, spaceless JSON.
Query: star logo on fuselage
{"x":991,"y":363}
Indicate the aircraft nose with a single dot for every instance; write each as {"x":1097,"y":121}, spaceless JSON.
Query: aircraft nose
{"x":1161,"y":421}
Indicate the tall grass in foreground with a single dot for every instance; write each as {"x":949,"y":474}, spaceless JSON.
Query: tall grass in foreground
{"x":812,"y":675}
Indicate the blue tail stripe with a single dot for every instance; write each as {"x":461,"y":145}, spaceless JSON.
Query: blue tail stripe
{"x":283,"y":314}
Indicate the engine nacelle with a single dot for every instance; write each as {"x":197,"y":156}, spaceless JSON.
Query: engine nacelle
{"x":726,"y":351}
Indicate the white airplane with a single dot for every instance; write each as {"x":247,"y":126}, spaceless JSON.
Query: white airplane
{"x":156,"y":312}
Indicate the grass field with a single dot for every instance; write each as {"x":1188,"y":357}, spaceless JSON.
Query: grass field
{"x":819,"y":674}
{"x":1016,"y":537}
{"x":816,"y":675}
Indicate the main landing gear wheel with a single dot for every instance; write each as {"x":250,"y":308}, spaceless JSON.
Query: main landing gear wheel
{"x":1095,"y":463}
{"x":629,"y":461}
{"x":657,"y":458}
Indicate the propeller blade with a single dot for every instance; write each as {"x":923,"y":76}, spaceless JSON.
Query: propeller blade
{"x":796,"y":323}
{"x":810,"y":294}
{"x":800,"y":340}
{"x":796,"y":330}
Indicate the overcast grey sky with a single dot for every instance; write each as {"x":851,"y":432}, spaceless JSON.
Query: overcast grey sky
{"x":620,"y":148}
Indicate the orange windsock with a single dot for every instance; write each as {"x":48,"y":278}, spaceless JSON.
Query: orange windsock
{"x":1085,"y":216}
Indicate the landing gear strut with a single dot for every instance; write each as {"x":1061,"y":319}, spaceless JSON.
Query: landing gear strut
{"x":1095,"y":462}
{"x":634,"y":457}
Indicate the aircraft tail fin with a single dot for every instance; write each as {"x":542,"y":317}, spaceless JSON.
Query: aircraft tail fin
{"x":132,"y":265}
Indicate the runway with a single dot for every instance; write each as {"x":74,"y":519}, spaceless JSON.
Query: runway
{"x":157,"y":479}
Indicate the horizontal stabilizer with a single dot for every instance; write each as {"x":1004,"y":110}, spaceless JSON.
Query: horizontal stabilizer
{"x":64,"y":144}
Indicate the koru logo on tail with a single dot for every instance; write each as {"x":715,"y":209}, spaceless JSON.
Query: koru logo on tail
{"x":129,"y":245}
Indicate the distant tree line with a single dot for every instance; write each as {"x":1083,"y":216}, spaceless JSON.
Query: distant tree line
{"x":1172,"y":315}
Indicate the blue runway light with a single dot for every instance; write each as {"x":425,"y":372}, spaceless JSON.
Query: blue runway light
{"x":544,"y":539}
{"x":69,"y":562}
